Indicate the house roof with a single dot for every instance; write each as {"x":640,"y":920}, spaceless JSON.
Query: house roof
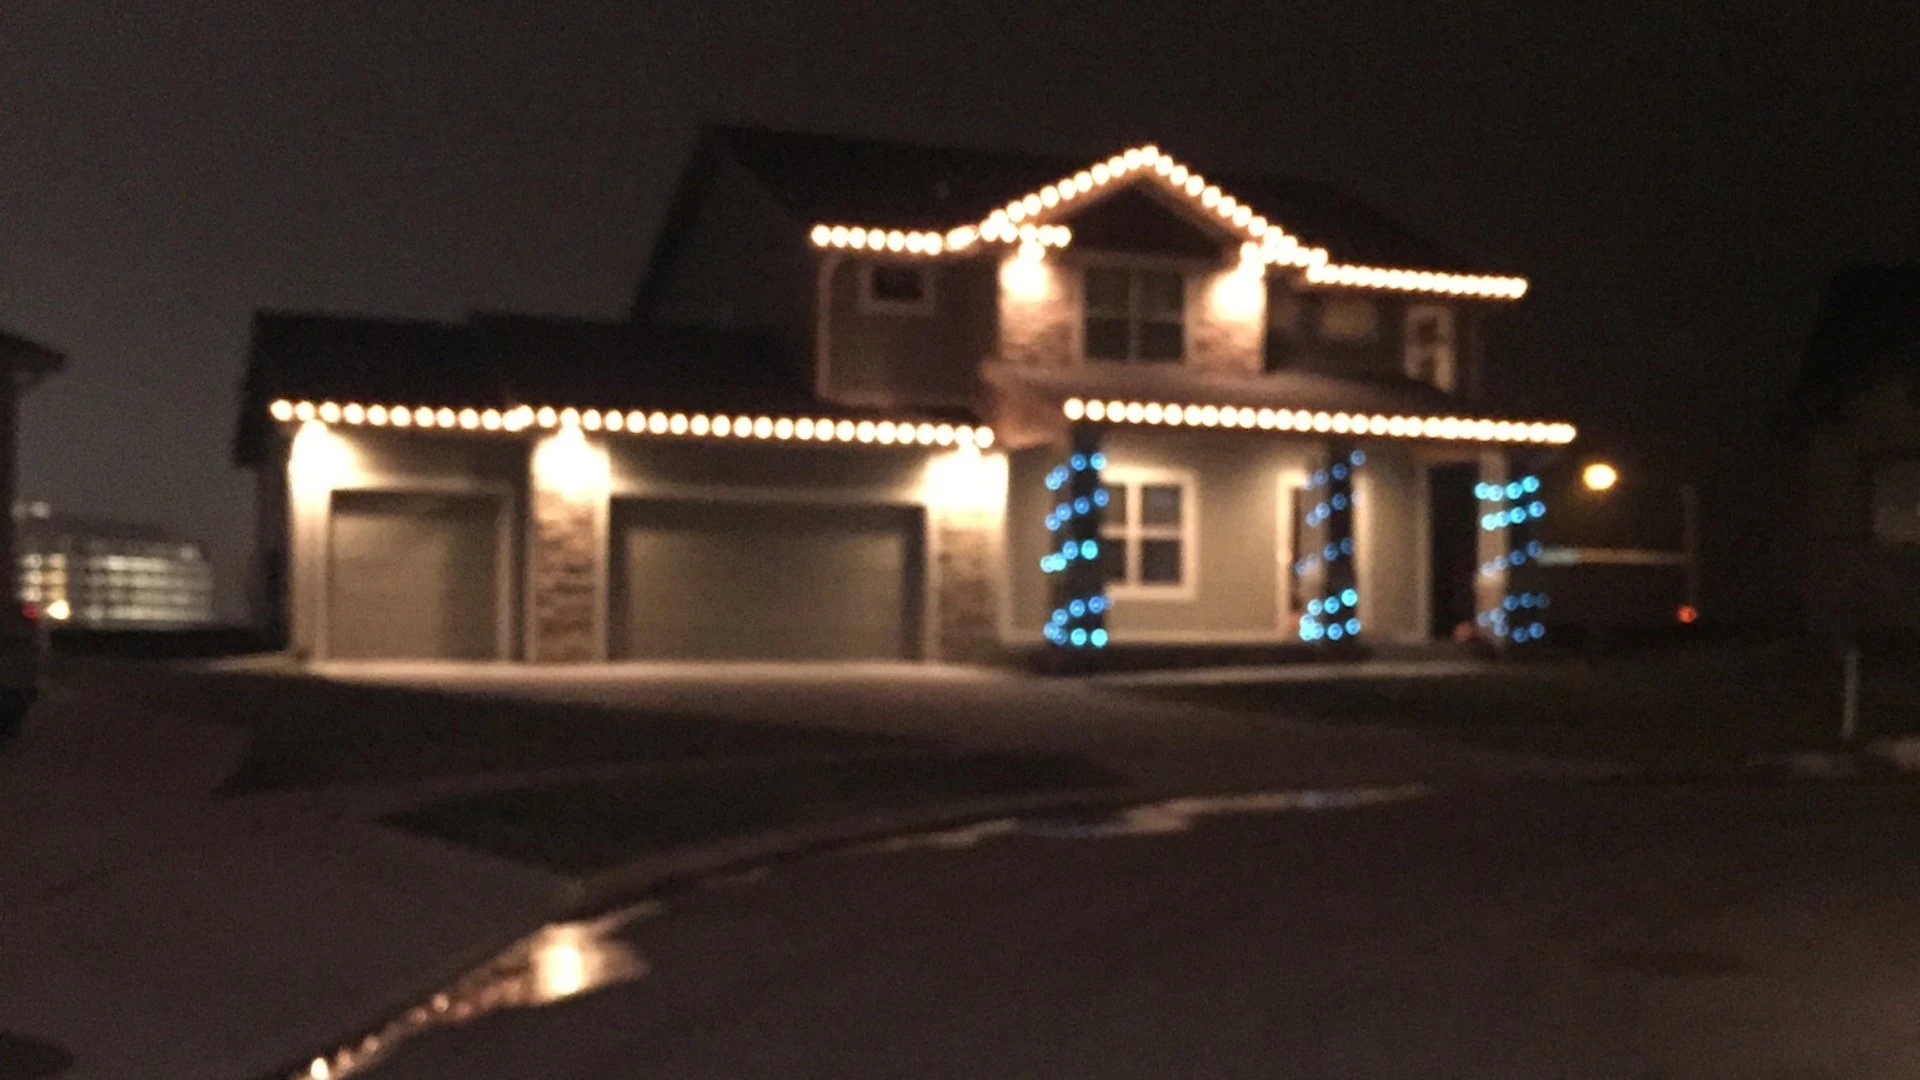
{"x":818,"y":178}
{"x":1868,"y":330}
{"x":502,"y":361}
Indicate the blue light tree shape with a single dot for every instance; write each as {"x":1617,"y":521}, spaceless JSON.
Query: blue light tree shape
{"x":1073,"y":559}
{"x":1333,"y":616}
{"x":1513,"y":507}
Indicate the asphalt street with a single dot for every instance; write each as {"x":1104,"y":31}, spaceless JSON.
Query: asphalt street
{"x":1522,"y":929}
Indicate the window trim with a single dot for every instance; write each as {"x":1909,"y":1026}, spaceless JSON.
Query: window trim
{"x":1413,"y":314}
{"x":1130,"y":533}
{"x":874,"y":305}
{"x":1134,"y":267}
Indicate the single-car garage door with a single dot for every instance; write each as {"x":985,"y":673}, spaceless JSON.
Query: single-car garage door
{"x":413,"y":576}
{"x":761,"y":581}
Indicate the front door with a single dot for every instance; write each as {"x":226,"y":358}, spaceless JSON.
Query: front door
{"x":1454,"y":549}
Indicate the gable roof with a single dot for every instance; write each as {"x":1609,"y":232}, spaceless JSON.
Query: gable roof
{"x":1868,"y":330}
{"x":819,"y":179}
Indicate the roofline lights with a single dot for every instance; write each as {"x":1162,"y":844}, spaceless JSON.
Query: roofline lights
{"x":640,"y":422}
{"x":1486,"y":286}
{"x":1017,"y":221}
{"x":1452,"y":428}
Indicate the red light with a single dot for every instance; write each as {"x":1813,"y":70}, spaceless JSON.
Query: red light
{"x":31,"y":611}
{"x":1687,"y":613}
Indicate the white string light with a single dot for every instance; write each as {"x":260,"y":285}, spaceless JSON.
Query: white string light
{"x":754,"y":427}
{"x":1452,"y":428}
{"x":1013,"y":223}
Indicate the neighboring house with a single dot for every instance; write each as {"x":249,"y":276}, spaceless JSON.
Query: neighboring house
{"x":25,"y":363}
{"x":1860,"y":394}
{"x":881,"y":400}
{"x":96,"y":572}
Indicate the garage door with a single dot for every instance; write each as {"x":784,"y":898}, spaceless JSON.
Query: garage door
{"x":413,"y":576}
{"x":703,"y":580}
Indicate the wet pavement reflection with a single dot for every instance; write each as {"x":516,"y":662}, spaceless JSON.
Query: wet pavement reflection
{"x":560,"y":961}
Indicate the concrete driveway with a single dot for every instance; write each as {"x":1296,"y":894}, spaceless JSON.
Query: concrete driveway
{"x":1171,"y":745}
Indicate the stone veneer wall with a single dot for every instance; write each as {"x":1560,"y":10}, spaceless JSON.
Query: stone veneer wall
{"x":566,"y":568}
{"x":1226,"y":323}
{"x":966,"y":598}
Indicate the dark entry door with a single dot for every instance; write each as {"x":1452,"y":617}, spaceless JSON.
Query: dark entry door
{"x":1455,"y":544}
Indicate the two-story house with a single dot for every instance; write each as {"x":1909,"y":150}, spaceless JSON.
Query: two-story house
{"x":884,"y":400}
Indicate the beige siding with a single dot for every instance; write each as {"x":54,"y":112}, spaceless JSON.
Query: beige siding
{"x":880,"y":357}
{"x":1390,"y":533}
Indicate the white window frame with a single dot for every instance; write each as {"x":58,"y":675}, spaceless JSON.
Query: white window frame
{"x":875,"y":305}
{"x":1134,"y":268}
{"x":1414,"y":357}
{"x":1129,"y":533}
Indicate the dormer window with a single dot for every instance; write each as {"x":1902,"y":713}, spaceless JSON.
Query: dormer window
{"x":896,"y":288}
{"x":1135,"y":315}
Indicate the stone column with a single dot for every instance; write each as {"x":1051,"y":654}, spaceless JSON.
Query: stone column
{"x":967,"y":628}
{"x":566,"y":550}
{"x":1512,"y":604}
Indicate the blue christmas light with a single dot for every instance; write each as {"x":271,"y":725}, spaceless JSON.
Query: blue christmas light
{"x":1079,"y":636}
{"x":1353,"y":626}
{"x":1083,"y":505}
{"x":1100,"y":496}
{"x":1349,"y":597}
{"x":1330,"y":552}
{"x":1358,"y":458}
{"x":1098,"y":638}
{"x":1530,"y":484}
{"x":1077,"y":608}
{"x":1346,"y":545}
{"x":1313,"y":607}
{"x":1097,"y":604}
{"x":1340,"y":471}
{"x":1331,"y":605}
{"x":1098,"y":460}
{"x":1088,"y":549}
{"x":1060,"y":616}
{"x":1079,"y":462}
{"x":1319,"y":477}
{"x":1336,"y":631}
{"x":1514,"y":489}
{"x":1537,"y":508}
{"x":1339,"y":502}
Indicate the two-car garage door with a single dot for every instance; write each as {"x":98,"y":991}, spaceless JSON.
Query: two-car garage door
{"x":764,"y":581}
{"x":419,"y":576}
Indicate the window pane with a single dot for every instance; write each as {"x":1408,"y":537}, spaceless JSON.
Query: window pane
{"x":1116,"y":511}
{"x":1113,"y":558}
{"x":1163,"y":295}
{"x":899,"y":284}
{"x":1160,"y":504}
{"x":1107,"y":290}
{"x":1162,"y":341}
{"x":1348,"y":318}
{"x":1159,"y":562}
{"x":1106,"y":339}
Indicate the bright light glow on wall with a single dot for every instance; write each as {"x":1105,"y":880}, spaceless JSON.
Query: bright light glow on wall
{"x":319,"y":460}
{"x":566,"y":462}
{"x":966,"y":481}
{"x":720,"y":426}
{"x":1025,"y":274}
{"x":1451,"y":428}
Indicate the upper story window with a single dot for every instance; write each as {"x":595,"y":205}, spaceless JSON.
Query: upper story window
{"x":1352,"y":319}
{"x":1896,"y":502}
{"x":896,"y":288}
{"x":1429,"y":350}
{"x":1135,"y":314}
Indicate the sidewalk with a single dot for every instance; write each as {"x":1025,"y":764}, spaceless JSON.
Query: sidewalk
{"x":152,"y":930}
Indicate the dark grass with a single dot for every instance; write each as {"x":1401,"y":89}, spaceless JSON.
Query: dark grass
{"x":1697,"y":705}
{"x":308,"y":731}
{"x":586,"y":827}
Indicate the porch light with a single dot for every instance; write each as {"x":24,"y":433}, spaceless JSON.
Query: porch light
{"x":1599,"y":476}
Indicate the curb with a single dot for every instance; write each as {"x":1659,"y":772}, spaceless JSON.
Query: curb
{"x":624,"y":884}
{"x":666,"y":870}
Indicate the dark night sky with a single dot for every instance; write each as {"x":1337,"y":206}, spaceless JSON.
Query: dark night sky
{"x":1678,"y":179}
